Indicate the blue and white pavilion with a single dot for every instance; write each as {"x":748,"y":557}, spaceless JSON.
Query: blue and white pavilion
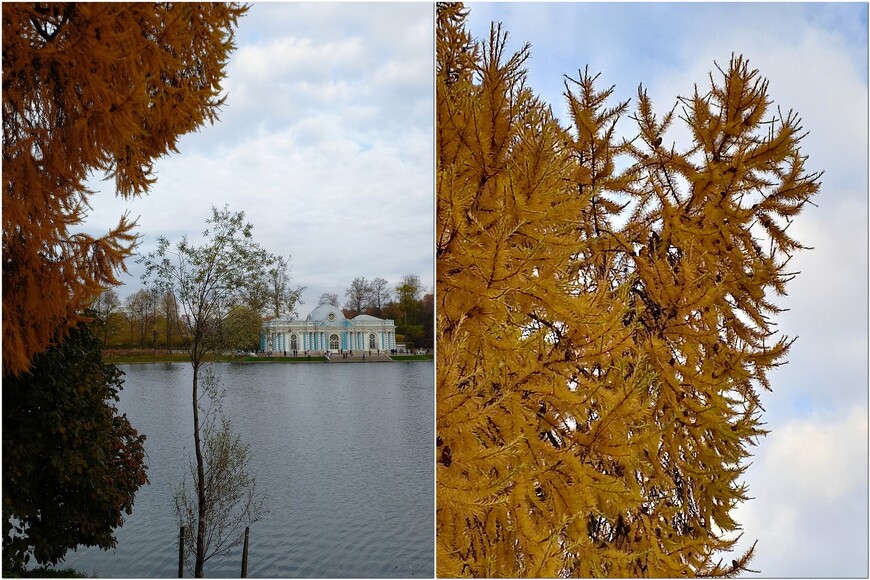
{"x":326,"y":328}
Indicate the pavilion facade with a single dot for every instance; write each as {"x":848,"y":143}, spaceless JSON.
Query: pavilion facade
{"x":327,"y":329}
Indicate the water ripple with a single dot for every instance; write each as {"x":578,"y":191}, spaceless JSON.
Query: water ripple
{"x":342,"y":452}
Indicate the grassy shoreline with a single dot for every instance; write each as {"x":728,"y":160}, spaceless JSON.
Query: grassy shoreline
{"x":165,"y":357}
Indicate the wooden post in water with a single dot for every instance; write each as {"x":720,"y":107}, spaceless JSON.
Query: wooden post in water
{"x":181,"y":552}
{"x":245,"y":554}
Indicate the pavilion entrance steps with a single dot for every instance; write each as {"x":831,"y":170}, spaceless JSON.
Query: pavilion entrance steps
{"x":358,"y":357}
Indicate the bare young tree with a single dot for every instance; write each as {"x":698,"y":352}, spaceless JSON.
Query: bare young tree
{"x":329,"y":298}
{"x":282,"y":299}
{"x":359,"y":295}
{"x":140,"y":305}
{"x":209,"y":283}
{"x":232,"y":501}
{"x":106,"y":303}
{"x":381,"y":295}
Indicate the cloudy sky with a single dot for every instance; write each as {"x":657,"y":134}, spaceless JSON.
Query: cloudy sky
{"x":809,"y":476}
{"x":326,"y":143}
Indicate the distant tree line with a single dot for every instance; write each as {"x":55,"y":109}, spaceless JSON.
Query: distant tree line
{"x":149,"y":318}
{"x":407,"y":303}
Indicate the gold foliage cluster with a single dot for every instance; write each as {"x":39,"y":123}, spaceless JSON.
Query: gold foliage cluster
{"x":604,"y":316}
{"x":91,"y":87}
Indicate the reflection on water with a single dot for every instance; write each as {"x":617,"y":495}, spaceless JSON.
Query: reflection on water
{"x":343,"y":453}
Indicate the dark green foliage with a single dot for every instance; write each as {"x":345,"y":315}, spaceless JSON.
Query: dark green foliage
{"x":241,"y":328}
{"x":45,"y":572}
{"x":71,"y":463}
{"x":415,"y":320}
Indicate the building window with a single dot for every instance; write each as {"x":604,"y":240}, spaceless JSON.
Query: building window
{"x":333,"y":342}
{"x":372,"y":341}
{"x":294,"y":345}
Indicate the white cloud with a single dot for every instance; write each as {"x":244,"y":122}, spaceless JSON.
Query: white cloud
{"x":299,"y":57}
{"x":815,"y":461}
{"x":325,"y":143}
{"x":809,"y":482}
{"x":827,"y":302}
{"x":811,"y":71}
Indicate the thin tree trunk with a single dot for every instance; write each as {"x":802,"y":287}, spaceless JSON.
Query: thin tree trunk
{"x":106,"y":327}
{"x":168,"y":331}
{"x":200,"y":479}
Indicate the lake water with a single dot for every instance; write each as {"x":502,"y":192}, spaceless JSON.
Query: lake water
{"x":343,"y":453}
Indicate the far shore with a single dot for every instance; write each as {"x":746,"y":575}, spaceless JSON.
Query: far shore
{"x":157,"y":356}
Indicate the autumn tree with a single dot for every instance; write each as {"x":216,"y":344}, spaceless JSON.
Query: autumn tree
{"x":141,"y":309}
{"x":210,"y":283}
{"x":418,"y":331}
{"x":136,"y":311}
{"x":169,"y":309}
{"x":409,"y":288}
{"x":106,"y":304}
{"x":506,"y":234}
{"x":408,"y":292}
{"x":91,"y":87}
{"x":71,"y":463}
{"x":605,"y":316}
